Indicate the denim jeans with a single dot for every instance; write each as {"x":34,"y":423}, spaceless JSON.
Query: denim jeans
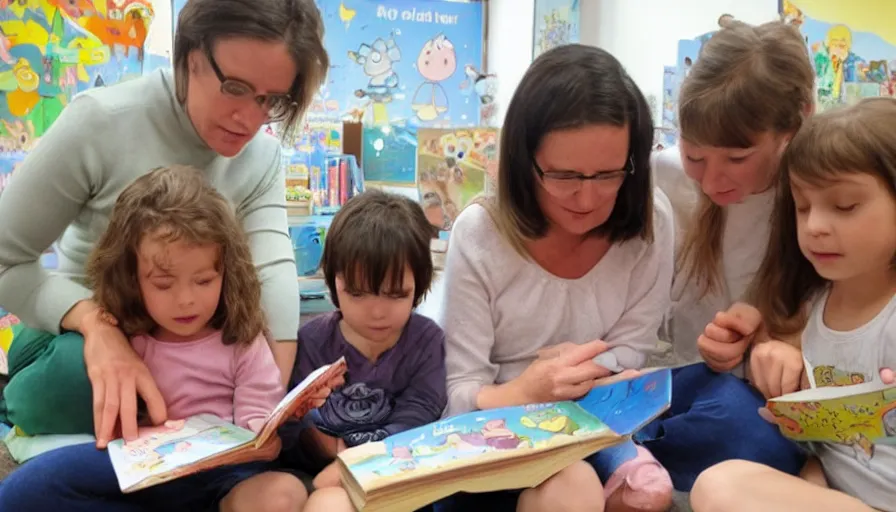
{"x":713,"y":418}
{"x":80,"y":478}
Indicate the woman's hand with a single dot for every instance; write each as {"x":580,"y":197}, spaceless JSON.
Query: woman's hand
{"x":777,"y":368}
{"x":562,"y":372}
{"x":725,"y":340}
{"x":117,"y":375}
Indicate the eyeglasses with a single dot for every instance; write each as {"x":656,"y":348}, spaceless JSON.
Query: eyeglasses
{"x":567,"y":183}
{"x":277,"y":106}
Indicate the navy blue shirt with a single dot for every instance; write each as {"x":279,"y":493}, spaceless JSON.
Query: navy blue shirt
{"x":403,"y":389}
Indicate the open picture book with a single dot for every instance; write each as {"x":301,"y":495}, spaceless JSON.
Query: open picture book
{"x":507,"y":448}
{"x":859,"y":415}
{"x":183,"y":447}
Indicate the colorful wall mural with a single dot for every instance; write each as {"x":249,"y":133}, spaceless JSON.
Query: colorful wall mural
{"x":53,"y":49}
{"x":556,"y":23}
{"x":852,"y":46}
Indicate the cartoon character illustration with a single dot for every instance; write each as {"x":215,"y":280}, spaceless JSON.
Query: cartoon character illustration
{"x":827,"y":376}
{"x":436,"y":62}
{"x":552,"y":420}
{"x":557,"y":31}
{"x":835,"y":63}
{"x":149,"y":451}
{"x":377,"y":60}
{"x":791,"y":14}
{"x":20,"y":136}
{"x":484,"y":85}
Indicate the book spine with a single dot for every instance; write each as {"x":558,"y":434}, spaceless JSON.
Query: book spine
{"x":333,"y":178}
{"x":343,"y":181}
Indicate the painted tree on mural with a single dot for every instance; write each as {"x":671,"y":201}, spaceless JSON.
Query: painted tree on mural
{"x":52,"y":49}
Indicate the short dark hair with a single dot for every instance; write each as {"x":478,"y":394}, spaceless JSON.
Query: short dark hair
{"x":569,"y":87}
{"x":297,"y":23}
{"x":372,"y":238}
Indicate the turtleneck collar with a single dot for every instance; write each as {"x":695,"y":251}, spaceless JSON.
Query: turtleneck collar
{"x":191,"y":136}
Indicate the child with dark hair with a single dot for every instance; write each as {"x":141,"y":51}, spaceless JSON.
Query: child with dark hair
{"x":378,"y":267}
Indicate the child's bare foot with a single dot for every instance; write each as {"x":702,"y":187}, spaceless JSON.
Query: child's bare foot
{"x":640,"y":484}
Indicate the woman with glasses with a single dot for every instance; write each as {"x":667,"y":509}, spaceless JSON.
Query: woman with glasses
{"x":238,"y":64}
{"x":562,"y":279}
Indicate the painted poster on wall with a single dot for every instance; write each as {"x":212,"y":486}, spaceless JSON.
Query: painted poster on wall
{"x":50,"y":51}
{"x":556,"y":23}
{"x":405,"y":62}
{"x":453,"y":168}
{"x":853,"y":48}
{"x":389,"y":155}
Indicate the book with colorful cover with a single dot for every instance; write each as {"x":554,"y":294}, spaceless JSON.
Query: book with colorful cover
{"x":859,"y":415}
{"x":182,"y":447}
{"x":506,"y":448}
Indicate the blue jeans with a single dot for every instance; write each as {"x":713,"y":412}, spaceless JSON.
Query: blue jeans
{"x":713,"y":418}
{"x":80,"y":478}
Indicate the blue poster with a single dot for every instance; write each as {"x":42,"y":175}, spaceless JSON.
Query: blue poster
{"x":406,"y":62}
{"x":389,"y":154}
{"x":556,"y":24}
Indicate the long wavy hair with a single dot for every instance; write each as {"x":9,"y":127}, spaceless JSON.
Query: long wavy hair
{"x":748,"y":80}
{"x":856,"y":139}
{"x":171,"y":204}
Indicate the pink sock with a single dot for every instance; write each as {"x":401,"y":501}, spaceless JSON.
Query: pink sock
{"x":643,"y":482}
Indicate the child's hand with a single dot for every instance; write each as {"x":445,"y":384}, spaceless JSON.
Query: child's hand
{"x":777,"y":368}
{"x":888,"y":376}
{"x":329,"y":477}
{"x":725,"y":340}
{"x":318,"y":399}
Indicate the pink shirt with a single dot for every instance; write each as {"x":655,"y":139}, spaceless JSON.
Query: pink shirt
{"x":237,"y":383}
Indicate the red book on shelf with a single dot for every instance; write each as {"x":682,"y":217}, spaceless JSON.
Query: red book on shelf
{"x":343,"y":181}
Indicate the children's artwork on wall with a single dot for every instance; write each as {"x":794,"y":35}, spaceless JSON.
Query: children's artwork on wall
{"x":669,"y":110}
{"x":402,"y":61}
{"x":853,"y":48}
{"x":389,"y":155}
{"x":452,"y":169}
{"x":556,"y":24}
{"x":51,"y":50}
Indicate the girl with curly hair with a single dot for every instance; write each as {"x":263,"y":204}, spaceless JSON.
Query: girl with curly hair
{"x":174,"y":272}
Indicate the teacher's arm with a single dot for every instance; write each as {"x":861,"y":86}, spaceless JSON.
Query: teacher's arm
{"x":634,"y":335}
{"x":467,"y":320}
{"x":264,"y":218}
{"x":46,"y":193}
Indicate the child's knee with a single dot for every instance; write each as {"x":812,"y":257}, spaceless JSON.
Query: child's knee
{"x":717,"y":487}
{"x":329,"y":499}
{"x":576,"y":487}
{"x":268,"y":492}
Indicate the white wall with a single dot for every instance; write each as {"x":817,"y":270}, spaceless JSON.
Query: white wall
{"x":642,"y":34}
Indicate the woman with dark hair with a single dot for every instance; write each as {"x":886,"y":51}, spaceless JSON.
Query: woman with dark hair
{"x":238,"y":64}
{"x":562,"y":279}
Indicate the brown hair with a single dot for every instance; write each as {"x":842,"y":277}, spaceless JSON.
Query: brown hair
{"x":372,"y":238}
{"x":175,"y":203}
{"x":572,"y":86}
{"x":860,"y":138}
{"x":297,"y":23}
{"x":748,"y":80}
